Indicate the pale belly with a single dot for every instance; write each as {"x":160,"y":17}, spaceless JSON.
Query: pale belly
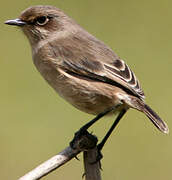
{"x":89,"y":96}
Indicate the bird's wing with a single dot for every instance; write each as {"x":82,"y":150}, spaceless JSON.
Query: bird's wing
{"x":123,"y":78}
{"x":98,"y":62}
{"x":120,"y":70}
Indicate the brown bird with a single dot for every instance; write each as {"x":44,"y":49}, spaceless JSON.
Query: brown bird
{"x":82,"y":69}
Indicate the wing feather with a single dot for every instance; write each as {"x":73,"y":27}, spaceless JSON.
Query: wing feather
{"x":124,"y":73}
{"x":86,"y":56}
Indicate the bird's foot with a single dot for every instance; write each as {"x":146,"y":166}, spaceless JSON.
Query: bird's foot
{"x":99,"y":156}
{"x":83,"y":140}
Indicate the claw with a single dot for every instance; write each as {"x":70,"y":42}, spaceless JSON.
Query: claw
{"x":98,"y":157}
{"x":77,"y":158}
{"x":83,"y":175}
{"x":83,"y":140}
{"x":77,"y":136}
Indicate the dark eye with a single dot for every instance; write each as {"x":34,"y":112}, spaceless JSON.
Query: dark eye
{"x":42,"y":20}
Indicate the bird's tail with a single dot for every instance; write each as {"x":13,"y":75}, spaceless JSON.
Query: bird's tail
{"x":156,"y":120}
{"x":152,"y":115}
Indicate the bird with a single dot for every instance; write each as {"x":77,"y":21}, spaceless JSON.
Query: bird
{"x":82,"y":69}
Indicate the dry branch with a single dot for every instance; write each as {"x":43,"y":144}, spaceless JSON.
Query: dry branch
{"x":86,"y":143}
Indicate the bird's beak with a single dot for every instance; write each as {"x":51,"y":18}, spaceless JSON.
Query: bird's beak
{"x":15,"y":22}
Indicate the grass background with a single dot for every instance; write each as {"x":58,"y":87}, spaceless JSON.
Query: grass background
{"x":36,"y":123}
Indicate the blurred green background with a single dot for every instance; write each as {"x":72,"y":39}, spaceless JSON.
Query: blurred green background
{"x":36,"y":123}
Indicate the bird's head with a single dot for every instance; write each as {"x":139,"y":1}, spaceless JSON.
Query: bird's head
{"x":41,"y":22}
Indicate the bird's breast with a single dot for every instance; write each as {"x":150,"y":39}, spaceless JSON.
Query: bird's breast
{"x":89,"y":96}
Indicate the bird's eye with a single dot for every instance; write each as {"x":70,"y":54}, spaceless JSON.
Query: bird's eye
{"x":42,"y":20}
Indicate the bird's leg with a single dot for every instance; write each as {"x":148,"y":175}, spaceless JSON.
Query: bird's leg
{"x":102,"y":143}
{"x":83,"y":130}
{"x":90,"y":123}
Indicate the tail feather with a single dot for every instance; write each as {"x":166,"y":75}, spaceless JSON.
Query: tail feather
{"x":140,"y":105}
{"x":156,"y":120}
